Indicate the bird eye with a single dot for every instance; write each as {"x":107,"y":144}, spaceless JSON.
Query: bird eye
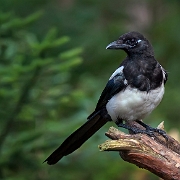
{"x":132,"y":42}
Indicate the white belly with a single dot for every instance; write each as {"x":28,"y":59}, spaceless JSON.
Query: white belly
{"x":132,"y":104}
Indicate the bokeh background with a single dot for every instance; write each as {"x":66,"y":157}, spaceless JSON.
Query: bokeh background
{"x":53,"y":67}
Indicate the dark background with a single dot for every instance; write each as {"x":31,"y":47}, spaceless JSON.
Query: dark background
{"x":53,"y":67}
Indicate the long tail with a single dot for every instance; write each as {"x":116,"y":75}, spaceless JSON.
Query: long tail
{"x":77,"y":138}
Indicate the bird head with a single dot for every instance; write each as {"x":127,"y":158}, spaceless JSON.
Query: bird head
{"x":132,"y":43}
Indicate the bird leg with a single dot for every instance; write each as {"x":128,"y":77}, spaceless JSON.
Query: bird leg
{"x":133,"y":129}
{"x":148,"y":130}
{"x":151,"y":129}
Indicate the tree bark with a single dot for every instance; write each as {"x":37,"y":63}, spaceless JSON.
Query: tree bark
{"x":158,"y":155}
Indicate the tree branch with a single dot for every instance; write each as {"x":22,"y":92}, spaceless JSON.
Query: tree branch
{"x":159,"y":156}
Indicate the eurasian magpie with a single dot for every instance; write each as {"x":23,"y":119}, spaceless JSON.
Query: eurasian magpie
{"x":133,"y":91}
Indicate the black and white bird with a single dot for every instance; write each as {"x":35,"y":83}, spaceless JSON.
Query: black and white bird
{"x":133,"y":91}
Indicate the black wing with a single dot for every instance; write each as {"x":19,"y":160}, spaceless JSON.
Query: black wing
{"x":165,"y":74}
{"x":114,"y":85}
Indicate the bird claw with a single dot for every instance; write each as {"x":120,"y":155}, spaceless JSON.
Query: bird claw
{"x":150,"y":131}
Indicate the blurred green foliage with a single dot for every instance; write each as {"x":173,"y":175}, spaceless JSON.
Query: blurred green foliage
{"x":53,"y":67}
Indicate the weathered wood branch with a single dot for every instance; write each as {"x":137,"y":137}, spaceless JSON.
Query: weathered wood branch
{"x":158,"y":155}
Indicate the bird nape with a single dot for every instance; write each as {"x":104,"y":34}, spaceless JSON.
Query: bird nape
{"x":132,"y":92}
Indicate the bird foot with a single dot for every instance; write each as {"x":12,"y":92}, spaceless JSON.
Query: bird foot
{"x":150,"y":131}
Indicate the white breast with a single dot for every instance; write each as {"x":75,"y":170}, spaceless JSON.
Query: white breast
{"x":132,"y":104}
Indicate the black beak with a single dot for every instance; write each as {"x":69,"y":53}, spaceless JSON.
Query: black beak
{"x":116,"y":45}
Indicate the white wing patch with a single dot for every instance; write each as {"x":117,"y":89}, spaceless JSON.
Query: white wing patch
{"x":164,"y":73}
{"x":118,"y":71}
